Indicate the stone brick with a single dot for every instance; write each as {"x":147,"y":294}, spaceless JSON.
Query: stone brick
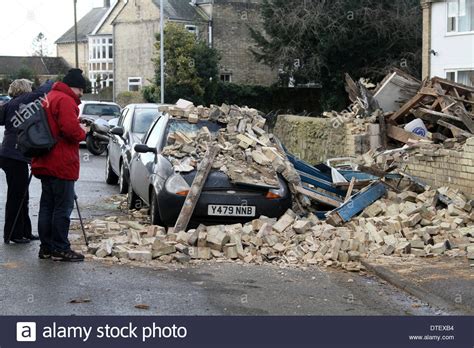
{"x":140,"y":255}
{"x":217,"y":238}
{"x":200,"y":253}
{"x":284,"y":222}
{"x":302,"y":226}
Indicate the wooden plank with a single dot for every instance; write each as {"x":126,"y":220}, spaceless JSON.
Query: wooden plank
{"x":405,"y":109}
{"x":402,"y":135}
{"x":318,"y":197}
{"x":349,"y":191}
{"x":357,"y":203}
{"x":460,"y":88}
{"x":436,"y":113}
{"x":455,"y":130}
{"x":466,"y":119}
{"x":357,"y":185}
{"x":196,"y":189}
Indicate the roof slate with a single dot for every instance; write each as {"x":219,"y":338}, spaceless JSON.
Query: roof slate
{"x":85,"y":26}
{"x":10,"y":65}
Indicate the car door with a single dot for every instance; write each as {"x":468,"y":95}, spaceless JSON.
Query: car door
{"x":143,"y":165}
{"x":116,"y":143}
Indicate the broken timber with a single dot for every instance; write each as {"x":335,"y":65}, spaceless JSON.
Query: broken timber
{"x":402,"y":135}
{"x":319,"y":197}
{"x":196,"y":189}
{"x":357,"y":203}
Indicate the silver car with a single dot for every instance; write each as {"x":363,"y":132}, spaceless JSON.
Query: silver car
{"x":132,"y":125}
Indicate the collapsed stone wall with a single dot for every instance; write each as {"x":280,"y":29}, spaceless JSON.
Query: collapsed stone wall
{"x":446,"y":167}
{"x":315,"y":139}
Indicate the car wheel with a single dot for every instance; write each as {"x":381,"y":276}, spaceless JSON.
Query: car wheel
{"x":154,"y":210}
{"x":133,"y":201}
{"x":123,"y":182}
{"x":110,"y":177}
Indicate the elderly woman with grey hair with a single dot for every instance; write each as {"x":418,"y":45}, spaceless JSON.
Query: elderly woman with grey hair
{"x":15,"y":165}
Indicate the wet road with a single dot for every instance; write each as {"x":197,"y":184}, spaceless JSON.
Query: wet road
{"x":32,"y":286}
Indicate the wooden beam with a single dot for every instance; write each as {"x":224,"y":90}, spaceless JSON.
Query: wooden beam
{"x":405,"y":109}
{"x":349,"y":190}
{"x":455,"y":130}
{"x":196,"y":189}
{"x":436,"y":113}
{"x":318,"y":197}
{"x":466,"y":119}
{"x":402,"y":135}
{"x":458,"y":86}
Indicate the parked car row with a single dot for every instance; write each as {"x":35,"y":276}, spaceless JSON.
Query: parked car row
{"x":4,"y":99}
{"x":135,"y":162}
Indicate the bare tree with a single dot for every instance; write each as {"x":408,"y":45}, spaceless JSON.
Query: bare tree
{"x":40,"y":46}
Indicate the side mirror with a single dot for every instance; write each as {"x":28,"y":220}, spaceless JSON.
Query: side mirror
{"x":141,"y":148}
{"x":117,"y":131}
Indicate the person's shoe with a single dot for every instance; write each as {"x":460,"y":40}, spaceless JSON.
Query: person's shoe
{"x":33,"y":237}
{"x":20,"y":240}
{"x":44,"y":254}
{"x":67,"y":256}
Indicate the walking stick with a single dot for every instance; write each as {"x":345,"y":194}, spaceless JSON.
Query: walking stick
{"x":80,"y":219}
{"x":19,"y":210}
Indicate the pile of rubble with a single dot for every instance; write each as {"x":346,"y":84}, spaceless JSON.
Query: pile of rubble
{"x":404,"y":223}
{"x":409,"y":111}
{"x":407,"y":224}
{"x":248,"y":154}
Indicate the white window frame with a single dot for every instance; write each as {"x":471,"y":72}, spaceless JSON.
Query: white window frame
{"x":456,"y":24}
{"x":225,"y":74}
{"x":192,"y":29}
{"x":139,"y":83}
{"x":456,"y":73}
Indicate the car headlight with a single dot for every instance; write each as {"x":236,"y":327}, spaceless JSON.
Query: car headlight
{"x":276,"y":193}
{"x":177,"y":185}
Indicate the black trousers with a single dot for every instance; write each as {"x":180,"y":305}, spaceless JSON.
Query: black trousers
{"x":54,"y":218}
{"x":17,"y":181}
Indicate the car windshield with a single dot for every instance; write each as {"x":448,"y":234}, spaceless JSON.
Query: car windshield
{"x":190,"y":129}
{"x":143,"y":119}
{"x":101,"y":110}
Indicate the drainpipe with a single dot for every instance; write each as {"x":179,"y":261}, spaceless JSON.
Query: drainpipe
{"x":426,"y":6}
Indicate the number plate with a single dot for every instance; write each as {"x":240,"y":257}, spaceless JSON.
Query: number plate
{"x":231,"y":210}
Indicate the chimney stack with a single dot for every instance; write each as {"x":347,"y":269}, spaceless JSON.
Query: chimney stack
{"x":106,"y":3}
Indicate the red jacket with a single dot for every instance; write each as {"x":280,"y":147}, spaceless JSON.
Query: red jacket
{"x":62,"y":111}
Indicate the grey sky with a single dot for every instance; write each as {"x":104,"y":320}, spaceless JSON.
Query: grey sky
{"x":22,"y":20}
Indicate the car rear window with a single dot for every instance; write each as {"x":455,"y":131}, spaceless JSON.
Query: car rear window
{"x":188,"y":129}
{"x":143,"y":118}
{"x":101,"y":110}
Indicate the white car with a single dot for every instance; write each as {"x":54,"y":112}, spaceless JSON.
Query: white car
{"x":97,"y":109}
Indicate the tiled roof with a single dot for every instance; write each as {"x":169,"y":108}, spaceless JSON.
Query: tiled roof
{"x":178,"y":9}
{"x":10,"y":65}
{"x":85,"y":26}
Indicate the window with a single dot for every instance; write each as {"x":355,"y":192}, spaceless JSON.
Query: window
{"x":451,"y":76}
{"x":192,"y":29}
{"x":143,"y":118}
{"x":465,"y":77}
{"x":460,"y":16}
{"x":226,"y":77}
{"x":134,"y":84}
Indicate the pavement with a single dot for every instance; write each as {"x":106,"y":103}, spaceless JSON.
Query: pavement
{"x":30,"y":286}
{"x":445,"y":282}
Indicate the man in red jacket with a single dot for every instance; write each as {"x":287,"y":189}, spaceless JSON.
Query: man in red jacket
{"x":59,"y":169}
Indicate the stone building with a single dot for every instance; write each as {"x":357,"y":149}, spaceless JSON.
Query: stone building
{"x":223,"y":24}
{"x":95,"y":44}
